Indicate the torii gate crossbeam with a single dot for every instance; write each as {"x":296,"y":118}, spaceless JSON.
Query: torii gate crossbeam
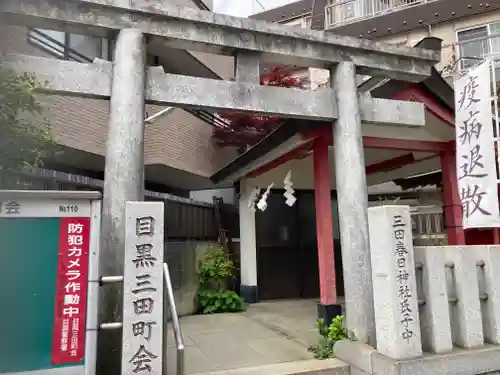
{"x":221,"y":34}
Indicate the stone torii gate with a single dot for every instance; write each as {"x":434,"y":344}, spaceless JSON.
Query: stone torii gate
{"x":128,"y":83}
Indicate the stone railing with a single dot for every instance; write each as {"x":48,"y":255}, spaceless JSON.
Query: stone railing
{"x":459,"y":296}
{"x":437,"y":308}
{"x":428,"y":224}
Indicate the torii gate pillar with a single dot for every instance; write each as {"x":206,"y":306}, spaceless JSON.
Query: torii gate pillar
{"x":353,"y":204}
{"x":124,"y":172}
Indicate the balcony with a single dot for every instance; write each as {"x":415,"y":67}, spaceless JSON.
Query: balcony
{"x":342,"y":12}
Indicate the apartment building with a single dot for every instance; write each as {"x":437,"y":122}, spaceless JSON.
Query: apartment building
{"x":179,"y":153}
{"x":470,"y":30}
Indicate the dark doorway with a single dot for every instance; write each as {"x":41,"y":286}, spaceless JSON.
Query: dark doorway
{"x":309,"y":272}
{"x":287,"y":258}
{"x":278,"y":246}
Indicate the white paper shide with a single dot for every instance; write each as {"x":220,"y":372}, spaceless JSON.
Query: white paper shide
{"x":476,"y":170}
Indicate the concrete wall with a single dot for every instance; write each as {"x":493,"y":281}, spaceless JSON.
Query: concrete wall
{"x":182,"y":259}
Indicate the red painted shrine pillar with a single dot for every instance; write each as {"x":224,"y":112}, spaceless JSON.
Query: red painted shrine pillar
{"x":328,"y":307}
{"x":451,"y":200}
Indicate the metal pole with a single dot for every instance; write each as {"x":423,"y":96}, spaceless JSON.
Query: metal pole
{"x":93,"y":291}
{"x":353,"y":205}
{"x":123,"y":178}
{"x":175,"y":322}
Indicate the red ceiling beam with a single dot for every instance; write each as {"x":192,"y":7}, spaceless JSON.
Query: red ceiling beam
{"x":407,"y":145}
{"x":414,"y":93}
{"x":296,"y":153}
{"x":324,"y":131}
{"x":410,"y":93}
{"x":388,"y":143}
{"x":305,"y":150}
{"x":390,"y":164}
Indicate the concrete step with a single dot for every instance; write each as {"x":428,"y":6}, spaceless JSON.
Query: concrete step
{"x":307,"y":367}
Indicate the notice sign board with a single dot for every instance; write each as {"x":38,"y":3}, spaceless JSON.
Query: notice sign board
{"x":68,"y":338}
{"x":47,"y":254}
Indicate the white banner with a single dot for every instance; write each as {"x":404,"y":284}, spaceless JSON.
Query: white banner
{"x":476,"y":170}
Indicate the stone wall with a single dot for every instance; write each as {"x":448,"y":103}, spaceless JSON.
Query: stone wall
{"x":182,"y":259}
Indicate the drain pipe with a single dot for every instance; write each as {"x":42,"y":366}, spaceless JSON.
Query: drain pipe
{"x":164,"y":111}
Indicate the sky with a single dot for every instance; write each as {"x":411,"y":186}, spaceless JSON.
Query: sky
{"x":244,"y":8}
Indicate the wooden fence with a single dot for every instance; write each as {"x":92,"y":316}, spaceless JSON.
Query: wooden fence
{"x":193,"y":220}
{"x":185,"y":219}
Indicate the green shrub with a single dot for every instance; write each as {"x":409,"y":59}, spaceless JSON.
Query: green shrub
{"x":214,"y":271}
{"x":227,"y":301}
{"x":25,"y":137}
{"x":336,"y":331}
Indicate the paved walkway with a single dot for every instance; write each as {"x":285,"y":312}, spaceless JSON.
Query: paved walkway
{"x":267,"y":333}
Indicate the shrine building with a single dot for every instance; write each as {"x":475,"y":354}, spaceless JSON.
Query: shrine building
{"x":280,"y":246}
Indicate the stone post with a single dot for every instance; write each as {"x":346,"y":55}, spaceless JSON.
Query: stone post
{"x":466,"y":313}
{"x":248,"y":245}
{"x":353,"y":204}
{"x":123,"y":179}
{"x":435,"y":312}
{"x":394,"y":282}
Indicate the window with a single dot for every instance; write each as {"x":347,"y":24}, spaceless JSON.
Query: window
{"x":303,"y":22}
{"x":307,"y":22}
{"x":477,"y":43}
{"x":82,"y":48}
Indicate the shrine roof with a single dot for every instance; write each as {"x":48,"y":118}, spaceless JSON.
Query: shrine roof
{"x":435,"y":85}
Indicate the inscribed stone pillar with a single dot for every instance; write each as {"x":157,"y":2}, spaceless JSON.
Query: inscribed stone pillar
{"x":248,"y":245}
{"x":353,"y":204}
{"x":142,"y":330}
{"x":394,"y":282}
{"x":123,"y":178}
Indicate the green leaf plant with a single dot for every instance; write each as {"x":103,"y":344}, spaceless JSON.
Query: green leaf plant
{"x":25,"y":138}
{"x":214,"y":271}
{"x":329,"y":335}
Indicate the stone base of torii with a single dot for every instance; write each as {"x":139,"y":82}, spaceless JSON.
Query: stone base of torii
{"x":129,"y":84}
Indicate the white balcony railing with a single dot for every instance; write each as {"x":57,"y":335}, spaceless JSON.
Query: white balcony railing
{"x":341,"y":12}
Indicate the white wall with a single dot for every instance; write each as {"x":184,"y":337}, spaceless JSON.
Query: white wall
{"x":245,"y":8}
{"x":207,"y":195}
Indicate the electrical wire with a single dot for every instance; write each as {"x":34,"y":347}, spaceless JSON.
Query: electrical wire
{"x":262,"y":6}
